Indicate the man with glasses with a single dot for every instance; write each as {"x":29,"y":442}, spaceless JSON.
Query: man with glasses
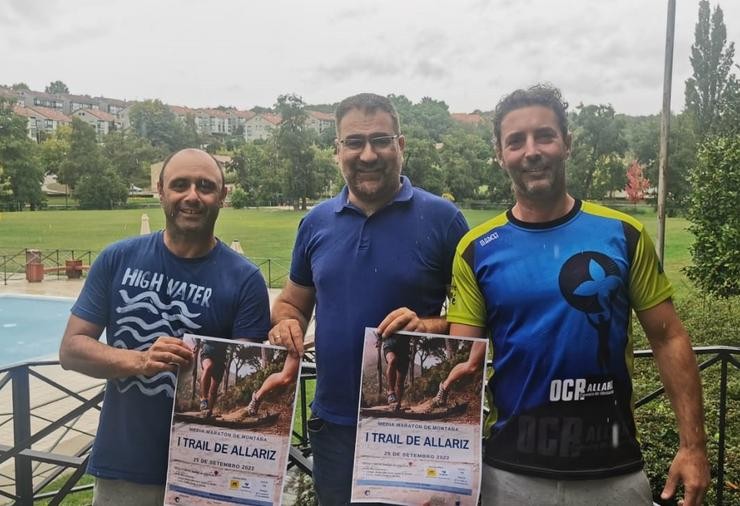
{"x":146,"y":292}
{"x":376,"y":255}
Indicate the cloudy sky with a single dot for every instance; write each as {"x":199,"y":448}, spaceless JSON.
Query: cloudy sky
{"x":247,"y":52}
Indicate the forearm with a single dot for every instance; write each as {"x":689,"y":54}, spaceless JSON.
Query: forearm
{"x":680,"y":375}
{"x":91,"y":357}
{"x":283,"y":310}
{"x":436,"y":324}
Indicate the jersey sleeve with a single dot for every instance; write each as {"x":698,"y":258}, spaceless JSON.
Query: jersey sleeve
{"x":649,"y":285}
{"x":467,"y":305}
{"x":457,"y":229}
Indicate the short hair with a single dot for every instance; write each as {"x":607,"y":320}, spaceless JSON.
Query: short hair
{"x":171,"y":155}
{"x":368,"y":103}
{"x":542,"y":94}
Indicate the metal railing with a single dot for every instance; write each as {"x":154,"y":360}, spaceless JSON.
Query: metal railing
{"x":28,"y":461}
{"x":14,"y":265}
{"x":17,"y":264}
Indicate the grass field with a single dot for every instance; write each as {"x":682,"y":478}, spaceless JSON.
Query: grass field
{"x":262,"y":233}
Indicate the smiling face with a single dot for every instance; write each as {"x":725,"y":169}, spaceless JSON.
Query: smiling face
{"x":191,"y":191}
{"x":372,"y":172}
{"x":533,"y":152}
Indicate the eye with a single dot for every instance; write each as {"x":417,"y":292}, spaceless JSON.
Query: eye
{"x":354,"y":143}
{"x":206,"y":186}
{"x":382,"y":141}
{"x":179,"y":185}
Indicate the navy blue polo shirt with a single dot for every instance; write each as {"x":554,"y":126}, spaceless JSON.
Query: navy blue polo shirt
{"x":364,"y":267}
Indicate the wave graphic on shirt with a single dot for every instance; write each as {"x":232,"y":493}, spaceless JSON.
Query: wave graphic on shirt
{"x":136,"y":333}
{"x":165,"y":380}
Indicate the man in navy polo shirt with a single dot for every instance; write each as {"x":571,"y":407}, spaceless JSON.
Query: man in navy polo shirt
{"x":377,"y":255}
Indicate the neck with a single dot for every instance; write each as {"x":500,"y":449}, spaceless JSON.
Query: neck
{"x":371,"y":206}
{"x":185,"y":246}
{"x":531,"y":210}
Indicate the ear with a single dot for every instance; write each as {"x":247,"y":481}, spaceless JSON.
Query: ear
{"x":401,"y":142}
{"x":224,"y":192}
{"x":159,"y":189}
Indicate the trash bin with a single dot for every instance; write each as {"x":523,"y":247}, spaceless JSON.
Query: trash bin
{"x":73,"y":269}
{"x":34,"y":267}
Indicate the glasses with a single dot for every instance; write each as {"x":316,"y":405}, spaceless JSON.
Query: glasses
{"x":358,"y":143}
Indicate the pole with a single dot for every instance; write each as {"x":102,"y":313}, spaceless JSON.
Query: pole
{"x":665,"y":123}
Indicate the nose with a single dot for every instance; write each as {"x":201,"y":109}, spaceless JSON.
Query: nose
{"x":368,"y":154}
{"x":192,"y":193}
{"x":531,"y":149}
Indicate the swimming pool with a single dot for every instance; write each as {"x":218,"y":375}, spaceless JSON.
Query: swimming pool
{"x":31,"y":327}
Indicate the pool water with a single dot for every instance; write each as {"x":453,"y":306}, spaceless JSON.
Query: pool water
{"x":31,"y":327}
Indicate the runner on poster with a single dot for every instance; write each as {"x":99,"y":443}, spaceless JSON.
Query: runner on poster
{"x":231,"y":424}
{"x":424,"y":446}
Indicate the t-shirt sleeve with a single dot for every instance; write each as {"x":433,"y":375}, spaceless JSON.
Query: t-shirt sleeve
{"x":649,"y":285}
{"x":94,"y":301}
{"x":252,"y":319}
{"x":467,"y":305}
{"x":300,"y":265}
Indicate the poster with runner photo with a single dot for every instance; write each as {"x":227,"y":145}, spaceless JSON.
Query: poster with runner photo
{"x":231,"y":424}
{"x":420,"y":420}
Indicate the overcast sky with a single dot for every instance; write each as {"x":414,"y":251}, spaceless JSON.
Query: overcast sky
{"x":246,"y":52}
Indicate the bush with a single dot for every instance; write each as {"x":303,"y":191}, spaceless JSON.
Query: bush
{"x":239,"y":198}
{"x":715,"y":217}
{"x":710,"y":321}
{"x":101,"y":191}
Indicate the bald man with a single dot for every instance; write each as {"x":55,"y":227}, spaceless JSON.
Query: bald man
{"x":146,"y":292}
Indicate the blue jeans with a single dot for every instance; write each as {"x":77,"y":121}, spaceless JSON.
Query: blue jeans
{"x":333,"y":448}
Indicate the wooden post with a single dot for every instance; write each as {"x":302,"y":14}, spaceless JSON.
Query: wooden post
{"x":665,"y":124}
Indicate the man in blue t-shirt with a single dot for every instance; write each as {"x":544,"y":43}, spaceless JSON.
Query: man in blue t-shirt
{"x":146,"y":292}
{"x":377,"y":255}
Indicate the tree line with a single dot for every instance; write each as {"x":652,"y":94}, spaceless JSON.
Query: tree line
{"x":611,"y":152}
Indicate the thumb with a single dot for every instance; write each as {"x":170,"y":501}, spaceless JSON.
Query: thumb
{"x":669,"y":490}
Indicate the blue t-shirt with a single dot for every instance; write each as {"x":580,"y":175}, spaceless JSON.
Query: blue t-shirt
{"x":138,"y":290}
{"x":362,"y":268}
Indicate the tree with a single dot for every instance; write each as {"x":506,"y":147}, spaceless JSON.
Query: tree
{"x":598,"y":145}
{"x":101,"y":190}
{"x":20,"y":87}
{"x":711,"y":61}
{"x":637,"y":183}
{"x":422,"y":163}
{"x":715,"y":217}
{"x":154,"y":121}
{"x":293,"y":140}
{"x":20,"y":171}
{"x":57,"y":87}
{"x":84,"y":155}
{"x":465,"y":159}
{"x":258,"y":172}
{"x":130,"y":156}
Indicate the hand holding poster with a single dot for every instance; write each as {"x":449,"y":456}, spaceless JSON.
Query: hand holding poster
{"x":420,"y":418}
{"x":231,"y":424}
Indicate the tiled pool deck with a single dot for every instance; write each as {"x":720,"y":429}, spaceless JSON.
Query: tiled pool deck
{"x":49,"y":403}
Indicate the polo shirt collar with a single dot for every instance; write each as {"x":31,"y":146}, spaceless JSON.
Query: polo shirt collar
{"x":404,"y":194}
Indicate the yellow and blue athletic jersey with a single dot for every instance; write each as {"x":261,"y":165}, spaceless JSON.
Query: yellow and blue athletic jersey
{"x":556,"y":300}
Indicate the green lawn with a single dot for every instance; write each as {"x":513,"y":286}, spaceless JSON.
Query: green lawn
{"x":263,"y":234}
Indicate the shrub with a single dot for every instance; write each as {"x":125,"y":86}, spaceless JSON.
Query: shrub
{"x":715,"y":217}
{"x":239,"y":198}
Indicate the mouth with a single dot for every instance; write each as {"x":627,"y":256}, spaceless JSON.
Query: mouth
{"x":192,"y":212}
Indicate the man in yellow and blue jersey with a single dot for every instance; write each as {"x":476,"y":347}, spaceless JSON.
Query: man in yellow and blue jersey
{"x":553,"y":282}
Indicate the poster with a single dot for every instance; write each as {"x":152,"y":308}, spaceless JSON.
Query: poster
{"x":417,"y":444}
{"x":231,"y":424}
